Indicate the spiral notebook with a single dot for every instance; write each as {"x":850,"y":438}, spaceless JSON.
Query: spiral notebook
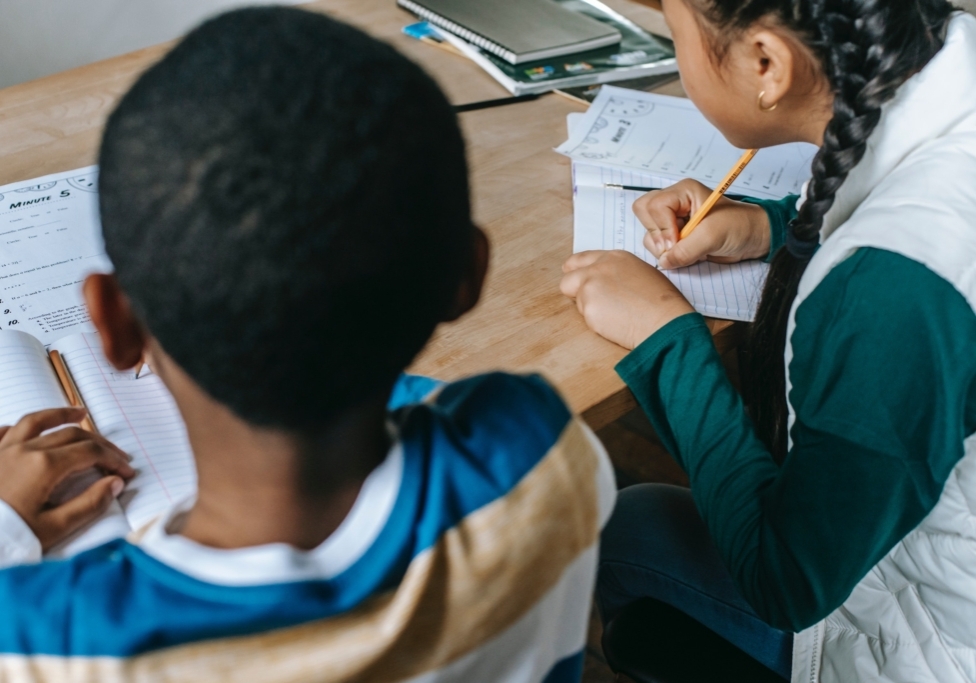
{"x":518,"y":31}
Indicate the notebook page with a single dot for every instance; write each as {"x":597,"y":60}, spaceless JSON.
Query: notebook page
{"x":27,"y":379}
{"x":603,"y":218}
{"x":668,"y":137}
{"x":141,"y":418}
{"x":28,"y":384}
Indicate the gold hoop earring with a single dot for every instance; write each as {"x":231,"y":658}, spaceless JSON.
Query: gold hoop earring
{"x":762,"y":108}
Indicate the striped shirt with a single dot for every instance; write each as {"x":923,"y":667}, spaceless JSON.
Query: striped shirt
{"x":469,"y":555}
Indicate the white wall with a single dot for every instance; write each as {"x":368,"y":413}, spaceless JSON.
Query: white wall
{"x":41,"y":37}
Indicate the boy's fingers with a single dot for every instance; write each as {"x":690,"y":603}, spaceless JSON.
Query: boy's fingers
{"x":581,"y":260}
{"x":70,"y":435}
{"x":59,"y":437}
{"x":32,"y":425}
{"x":82,"y":509}
{"x":77,"y":457}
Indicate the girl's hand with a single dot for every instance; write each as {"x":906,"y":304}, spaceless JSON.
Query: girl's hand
{"x":32,"y":467}
{"x":732,"y":231}
{"x":621,"y":297}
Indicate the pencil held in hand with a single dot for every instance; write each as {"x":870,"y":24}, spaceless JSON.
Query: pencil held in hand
{"x":718,"y":193}
{"x":144,"y":366}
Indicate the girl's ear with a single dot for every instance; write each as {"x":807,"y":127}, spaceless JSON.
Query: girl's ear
{"x":772,"y":60}
{"x":123,"y":337}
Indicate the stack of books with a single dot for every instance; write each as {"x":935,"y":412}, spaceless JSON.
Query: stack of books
{"x":534,"y":46}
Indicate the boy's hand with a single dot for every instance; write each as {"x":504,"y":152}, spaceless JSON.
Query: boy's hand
{"x":32,"y":466}
{"x":621,"y":297}
{"x":732,"y":231}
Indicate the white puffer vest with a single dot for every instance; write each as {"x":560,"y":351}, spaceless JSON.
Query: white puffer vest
{"x":912,"y":619}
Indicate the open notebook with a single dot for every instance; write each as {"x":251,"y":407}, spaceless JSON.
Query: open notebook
{"x":138,"y":415}
{"x":628,"y":137}
{"x":604,"y":219}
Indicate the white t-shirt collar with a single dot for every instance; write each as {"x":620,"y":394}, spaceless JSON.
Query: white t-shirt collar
{"x":279,"y":562}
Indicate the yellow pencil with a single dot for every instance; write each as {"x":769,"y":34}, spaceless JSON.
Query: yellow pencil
{"x":71,"y":389}
{"x":717,"y":194}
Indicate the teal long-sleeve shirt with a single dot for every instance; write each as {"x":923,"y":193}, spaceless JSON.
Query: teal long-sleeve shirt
{"x":884,"y":389}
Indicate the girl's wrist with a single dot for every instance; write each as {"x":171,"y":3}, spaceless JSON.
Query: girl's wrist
{"x":668,"y":307}
{"x":759,"y":232}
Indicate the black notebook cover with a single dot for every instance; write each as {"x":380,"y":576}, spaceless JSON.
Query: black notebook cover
{"x":516,"y":30}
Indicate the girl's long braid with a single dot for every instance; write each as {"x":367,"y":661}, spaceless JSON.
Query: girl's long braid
{"x":867,"y":48}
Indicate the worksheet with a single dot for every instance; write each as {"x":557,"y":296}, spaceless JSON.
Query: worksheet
{"x":668,"y":137}
{"x":50,"y":240}
{"x":603,"y":218}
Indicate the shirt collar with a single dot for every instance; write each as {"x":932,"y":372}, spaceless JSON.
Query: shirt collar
{"x":279,"y":562}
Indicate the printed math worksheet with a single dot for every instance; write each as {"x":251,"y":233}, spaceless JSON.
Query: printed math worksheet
{"x":668,"y":137}
{"x":50,"y":240}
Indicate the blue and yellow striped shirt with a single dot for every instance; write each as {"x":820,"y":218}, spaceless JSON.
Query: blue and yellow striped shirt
{"x":469,"y":556}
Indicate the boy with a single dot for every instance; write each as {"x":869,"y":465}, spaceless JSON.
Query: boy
{"x":286,"y":206}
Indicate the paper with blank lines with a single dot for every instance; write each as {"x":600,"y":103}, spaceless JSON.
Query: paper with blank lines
{"x":28,"y":384}
{"x":140,"y":417}
{"x":604,"y":219}
{"x":27,"y":380}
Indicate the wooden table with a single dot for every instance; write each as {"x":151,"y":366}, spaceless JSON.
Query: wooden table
{"x":521,"y":195}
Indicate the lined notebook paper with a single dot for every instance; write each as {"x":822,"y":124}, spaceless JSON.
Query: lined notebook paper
{"x":27,"y":380}
{"x":141,"y":418}
{"x":28,"y":384}
{"x":603,"y":219}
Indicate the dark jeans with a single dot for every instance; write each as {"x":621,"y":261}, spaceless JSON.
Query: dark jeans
{"x":656,"y":546}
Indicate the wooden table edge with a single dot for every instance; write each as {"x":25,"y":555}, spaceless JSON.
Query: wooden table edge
{"x":727,"y":336}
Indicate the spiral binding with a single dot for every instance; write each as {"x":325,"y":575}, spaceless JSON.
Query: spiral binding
{"x":458,"y":30}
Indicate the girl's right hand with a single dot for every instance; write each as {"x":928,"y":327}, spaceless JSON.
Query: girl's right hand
{"x":732,"y":231}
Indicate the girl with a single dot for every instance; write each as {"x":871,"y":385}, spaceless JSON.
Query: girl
{"x":842,"y":508}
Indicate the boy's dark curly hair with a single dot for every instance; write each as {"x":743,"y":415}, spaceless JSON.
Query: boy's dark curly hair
{"x":285,"y":202}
